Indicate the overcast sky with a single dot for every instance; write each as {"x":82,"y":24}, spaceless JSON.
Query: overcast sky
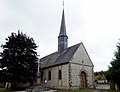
{"x":96,"y":23}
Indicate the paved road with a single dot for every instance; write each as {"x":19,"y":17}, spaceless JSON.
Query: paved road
{"x":101,"y":88}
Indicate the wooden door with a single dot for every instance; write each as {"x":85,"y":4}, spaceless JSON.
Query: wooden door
{"x":83,"y":80}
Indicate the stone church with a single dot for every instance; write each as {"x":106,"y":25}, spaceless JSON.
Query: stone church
{"x":69,"y":67}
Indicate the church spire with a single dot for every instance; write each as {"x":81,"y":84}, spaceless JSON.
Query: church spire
{"x":63,"y":26}
{"x":62,"y":38}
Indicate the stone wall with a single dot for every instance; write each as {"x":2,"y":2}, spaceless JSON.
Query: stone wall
{"x":81,"y":62}
{"x":55,"y":82}
{"x":71,"y":71}
{"x":75,"y":75}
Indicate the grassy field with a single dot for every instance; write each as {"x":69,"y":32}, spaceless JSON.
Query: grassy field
{"x":5,"y":90}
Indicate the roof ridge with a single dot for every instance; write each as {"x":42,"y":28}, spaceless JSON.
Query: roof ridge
{"x":55,"y":58}
{"x":75,"y":45}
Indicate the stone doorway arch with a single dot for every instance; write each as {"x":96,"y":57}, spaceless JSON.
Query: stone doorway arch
{"x":83,"y":80}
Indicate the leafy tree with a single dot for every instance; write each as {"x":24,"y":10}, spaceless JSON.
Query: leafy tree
{"x":100,"y":75}
{"x":19,"y":58}
{"x":113,"y":74}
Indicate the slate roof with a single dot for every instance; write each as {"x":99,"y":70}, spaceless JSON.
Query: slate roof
{"x":58,"y":59}
{"x":63,"y":26}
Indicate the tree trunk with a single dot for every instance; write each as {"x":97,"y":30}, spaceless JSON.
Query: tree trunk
{"x":112,"y":85}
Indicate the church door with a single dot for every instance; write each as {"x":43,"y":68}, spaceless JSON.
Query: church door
{"x":83,"y":80}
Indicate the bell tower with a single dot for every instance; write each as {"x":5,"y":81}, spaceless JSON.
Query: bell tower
{"x":62,"y":38}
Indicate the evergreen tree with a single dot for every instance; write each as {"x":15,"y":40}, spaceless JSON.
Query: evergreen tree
{"x":19,"y":58}
{"x":113,"y":73}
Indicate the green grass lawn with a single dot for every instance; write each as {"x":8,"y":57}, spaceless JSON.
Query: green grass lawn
{"x":5,"y":90}
{"x":112,"y":91}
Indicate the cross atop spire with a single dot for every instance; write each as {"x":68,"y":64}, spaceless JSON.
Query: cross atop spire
{"x":63,"y":3}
